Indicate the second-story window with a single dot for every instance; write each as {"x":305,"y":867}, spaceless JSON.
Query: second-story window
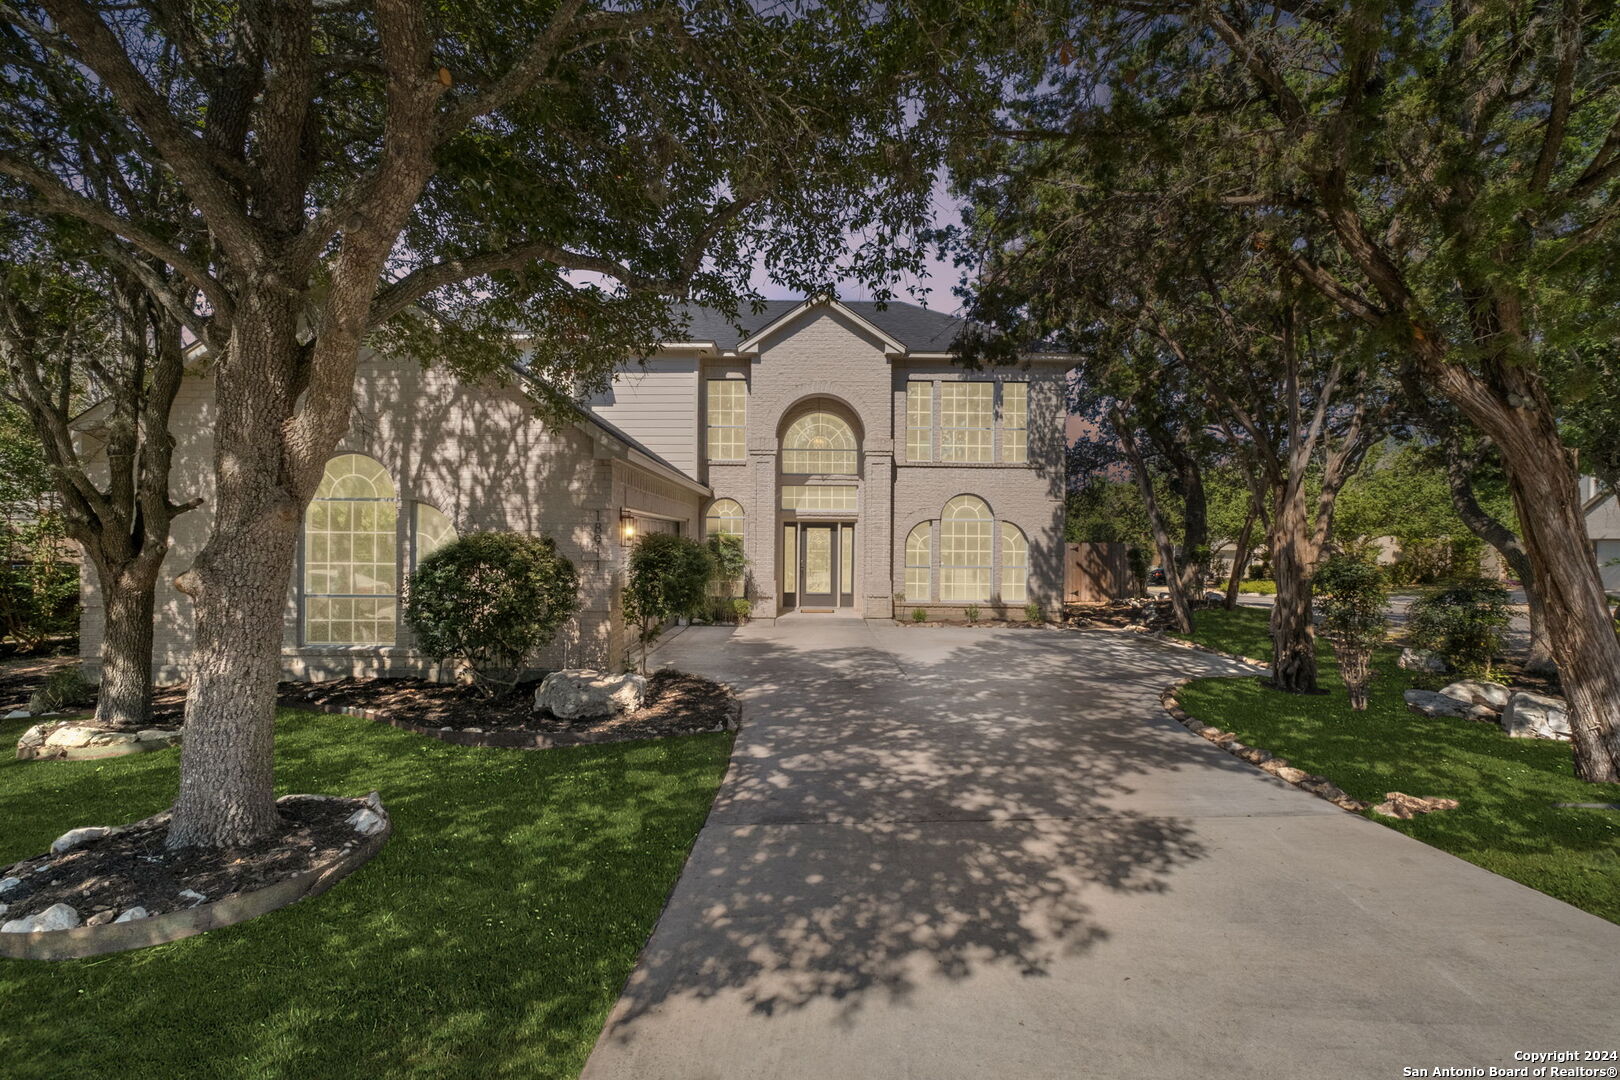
{"x":966,"y":420}
{"x":728,"y":419}
{"x":919,"y":421}
{"x":1015,"y":422}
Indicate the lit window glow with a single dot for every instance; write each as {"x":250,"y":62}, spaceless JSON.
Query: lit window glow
{"x":964,"y":551}
{"x":728,"y":418}
{"x":1014,"y":564}
{"x":350,"y":567}
{"x":919,"y":562}
{"x":819,"y":443}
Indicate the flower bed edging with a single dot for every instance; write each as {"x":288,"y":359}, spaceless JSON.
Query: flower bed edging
{"x":1320,"y":786}
{"x":82,"y":941}
{"x":513,"y":740}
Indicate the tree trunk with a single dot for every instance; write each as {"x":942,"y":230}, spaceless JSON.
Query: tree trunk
{"x":1240,"y":559}
{"x":1173,"y":581}
{"x":1565,"y":574}
{"x":1293,"y":636}
{"x":1460,"y":482}
{"x":238,"y":586}
{"x":125,"y":696}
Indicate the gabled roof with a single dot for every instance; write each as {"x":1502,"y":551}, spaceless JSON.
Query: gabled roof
{"x":903,"y":327}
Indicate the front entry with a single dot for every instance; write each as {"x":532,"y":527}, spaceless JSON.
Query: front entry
{"x":821,"y":566}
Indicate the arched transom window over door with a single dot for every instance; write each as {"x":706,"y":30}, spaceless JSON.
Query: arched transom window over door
{"x":351,"y":568}
{"x":819,"y":442}
{"x":964,"y":551}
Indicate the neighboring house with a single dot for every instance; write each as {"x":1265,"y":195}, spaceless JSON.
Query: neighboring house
{"x":1603,"y":526}
{"x":862,"y":469}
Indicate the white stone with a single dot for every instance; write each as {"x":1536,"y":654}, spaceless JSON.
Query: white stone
{"x":18,"y":714}
{"x":77,"y":838}
{"x":193,"y":895}
{"x":1536,"y":716}
{"x":1432,"y":705}
{"x":155,"y":735}
{"x":1478,"y":692}
{"x":366,"y":821}
{"x":582,"y":693}
{"x":131,"y":915}
{"x":71,"y":736}
{"x":34,"y":736}
{"x":7,"y":884}
{"x":1419,"y":660}
{"x":55,"y":917}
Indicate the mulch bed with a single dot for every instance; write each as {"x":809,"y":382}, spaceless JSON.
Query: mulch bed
{"x":133,"y":868}
{"x":21,"y":676}
{"x":676,"y":704}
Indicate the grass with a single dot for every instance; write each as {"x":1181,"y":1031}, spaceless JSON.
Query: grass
{"x":1507,"y":822}
{"x":488,"y":939}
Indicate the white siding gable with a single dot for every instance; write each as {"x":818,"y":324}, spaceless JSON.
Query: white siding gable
{"x":656,"y":403}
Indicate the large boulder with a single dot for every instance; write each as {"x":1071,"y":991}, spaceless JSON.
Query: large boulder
{"x":1433,"y":705}
{"x":1421,"y":660}
{"x":585,"y":694}
{"x":82,"y":738}
{"x":1478,"y":692}
{"x":55,"y":917}
{"x":1536,"y":716}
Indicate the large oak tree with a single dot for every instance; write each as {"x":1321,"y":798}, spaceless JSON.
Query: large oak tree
{"x":476,"y":184}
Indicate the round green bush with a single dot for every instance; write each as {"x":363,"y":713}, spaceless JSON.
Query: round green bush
{"x":1463,"y":622}
{"x":491,"y":600}
{"x":669,"y":576}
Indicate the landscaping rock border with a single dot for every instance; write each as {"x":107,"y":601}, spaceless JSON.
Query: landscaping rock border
{"x":1320,"y":786}
{"x":83,"y":941}
{"x":36,"y":744}
{"x":515,"y":740}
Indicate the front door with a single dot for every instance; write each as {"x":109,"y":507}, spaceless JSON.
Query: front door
{"x":818,"y":568}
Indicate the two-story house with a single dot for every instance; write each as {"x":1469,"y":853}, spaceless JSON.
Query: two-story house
{"x":867,"y":474}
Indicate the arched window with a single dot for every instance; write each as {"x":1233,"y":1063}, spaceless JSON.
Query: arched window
{"x":1014,"y":564}
{"x":725,"y":516}
{"x":919,"y":562}
{"x":350,"y":565}
{"x":819,"y":442}
{"x":434,"y":529}
{"x":964,"y":551}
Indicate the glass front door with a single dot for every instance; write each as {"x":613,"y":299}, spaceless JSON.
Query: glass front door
{"x":818,"y":569}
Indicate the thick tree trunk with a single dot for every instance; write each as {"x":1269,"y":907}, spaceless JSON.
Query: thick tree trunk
{"x":1293,"y":636}
{"x":125,"y":697}
{"x":1565,"y":572}
{"x":238,"y":586}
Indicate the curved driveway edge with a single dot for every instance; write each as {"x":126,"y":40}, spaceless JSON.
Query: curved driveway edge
{"x":985,"y":853}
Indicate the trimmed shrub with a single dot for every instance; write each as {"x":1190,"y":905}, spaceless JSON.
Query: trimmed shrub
{"x":971,"y":612}
{"x":1034,"y":613}
{"x":64,"y":688}
{"x":1351,"y":595}
{"x":491,"y":600}
{"x":669,"y":577}
{"x":1463,"y":622}
{"x":918,"y":615}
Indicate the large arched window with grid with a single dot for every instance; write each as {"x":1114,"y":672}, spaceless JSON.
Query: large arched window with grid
{"x":351,"y":569}
{"x":819,"y":442}
{"x":1014,"y":564}
{"x":919,"y":563}
{"x":964,"y":551}
{"x":724,"y":516}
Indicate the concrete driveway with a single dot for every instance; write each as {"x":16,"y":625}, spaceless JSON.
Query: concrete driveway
{"x":988,"y":853}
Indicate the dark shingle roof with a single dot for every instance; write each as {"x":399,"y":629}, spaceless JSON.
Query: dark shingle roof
{"x":917,"y":328}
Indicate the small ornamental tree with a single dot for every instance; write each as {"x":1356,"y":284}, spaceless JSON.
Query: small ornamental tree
{"x":1351,"y":594}
{"x":491,"y":600}
{"x":730,"y":564}
{"x":1463,"y":622}
{"x":669,"y":576}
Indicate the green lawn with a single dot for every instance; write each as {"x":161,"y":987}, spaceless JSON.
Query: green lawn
{"x":488,"y":939}
{"x":1507,"y":822}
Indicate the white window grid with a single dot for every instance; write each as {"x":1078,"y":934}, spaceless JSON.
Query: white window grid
{"x":728,"y":419}
{"x":919,"y":421}
{"x":964,"y":551}
{"x":919,"y":563}
{"x":966,"y":421}
{"x":819,"y":498}
{"x":351,"y":570}
{"x":1014,"y":564}
{"x":1015,"y":422}
{"x":820,"y":443}
{"x":725,"y":516}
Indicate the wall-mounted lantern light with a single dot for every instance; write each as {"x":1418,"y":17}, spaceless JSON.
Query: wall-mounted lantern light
{"x":627,"y":525}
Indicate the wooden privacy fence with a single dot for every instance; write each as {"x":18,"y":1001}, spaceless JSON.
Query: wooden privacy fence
{"x":1096,"y":573}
